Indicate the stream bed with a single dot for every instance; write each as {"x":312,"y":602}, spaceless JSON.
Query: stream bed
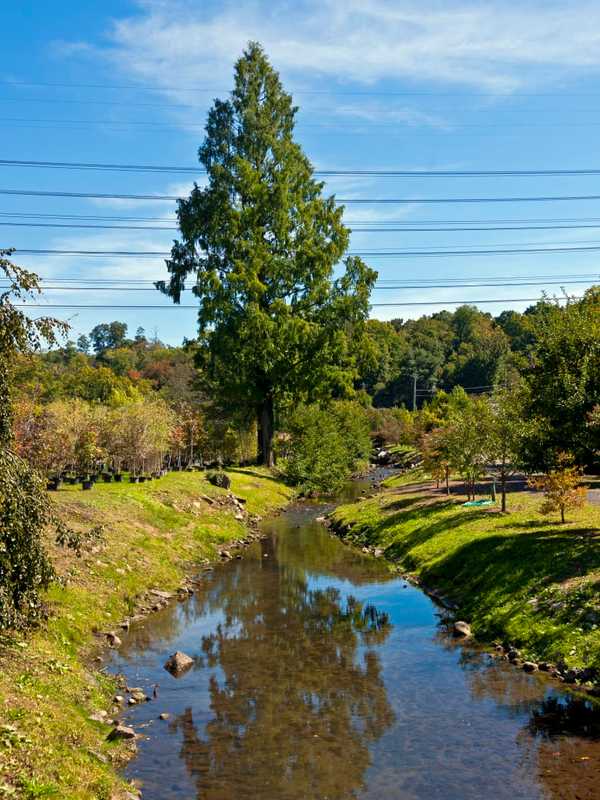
{"x":321,"y":675}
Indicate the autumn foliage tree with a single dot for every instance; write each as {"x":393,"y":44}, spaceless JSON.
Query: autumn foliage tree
{"x":561,"y":487}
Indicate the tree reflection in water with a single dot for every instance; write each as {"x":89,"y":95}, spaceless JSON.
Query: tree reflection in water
{"x":297,"y":696}
{"x":561,"y":739}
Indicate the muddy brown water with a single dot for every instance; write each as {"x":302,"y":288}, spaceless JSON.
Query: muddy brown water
{"x":320,"y":675}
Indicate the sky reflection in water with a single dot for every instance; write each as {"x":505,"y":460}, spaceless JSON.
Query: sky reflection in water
{"x":319,"y":677}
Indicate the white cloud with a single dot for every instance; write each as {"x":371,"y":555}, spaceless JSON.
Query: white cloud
{"x":494,"y":46}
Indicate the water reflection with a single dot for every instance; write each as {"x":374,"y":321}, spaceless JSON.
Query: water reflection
{"x":561,"y":735}
{"x":298,"y":700}
{"x":319,"y":677}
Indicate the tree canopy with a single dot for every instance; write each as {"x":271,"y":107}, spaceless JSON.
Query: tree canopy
{"x":262,"y":243}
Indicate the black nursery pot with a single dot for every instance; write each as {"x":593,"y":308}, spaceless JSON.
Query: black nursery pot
{"x":142,"y":479}
{"x":87,"y":485}
{"x":118,"y":477}
{"x":107,"y":477}
{"x":133,"y":479}
{"x":53,"y":484}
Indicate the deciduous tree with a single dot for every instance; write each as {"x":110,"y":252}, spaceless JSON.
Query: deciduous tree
{"x":561,"y":487}
{"x":25,"y":509}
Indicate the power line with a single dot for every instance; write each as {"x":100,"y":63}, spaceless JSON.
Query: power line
{"x":381,"y":283}
{"x":373,"y":305}
{"x":401,"y":222}
{"x":349,"y":127}
{"x":306,"y":109}
{"x":341,"y":92}
{"x":360,"y":253}
{"x":399,"y":287}
{"x":471,"y":229}
{"x":385,"y":200}
{"x":96,"y":227}
{"x":95,"y":166}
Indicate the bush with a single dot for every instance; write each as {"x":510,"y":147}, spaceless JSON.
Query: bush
{"x":24,"y":566}
{"x":324,"y":446}
{"x":219,"y":479}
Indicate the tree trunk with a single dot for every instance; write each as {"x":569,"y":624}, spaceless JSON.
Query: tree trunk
{"x":266,"y":429}
{"x":447,"y":480}
{"x":503,"y":477}
{"x":562,"y":514}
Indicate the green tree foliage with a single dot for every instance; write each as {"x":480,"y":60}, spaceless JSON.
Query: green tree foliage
{"x":564,"y":380}
{"x":325,"y":445}
{"x":107,"y":336}
{"x":24,"y":507}
{"x":465,"y":438}
{"x":506,"y":432}
{"x":262,"y":243}
{"x":83,"y":344}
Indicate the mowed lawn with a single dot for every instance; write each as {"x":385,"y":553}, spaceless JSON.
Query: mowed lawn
{"x":519,"y":578}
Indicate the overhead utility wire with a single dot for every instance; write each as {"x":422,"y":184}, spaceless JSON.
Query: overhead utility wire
{"x":416,"y":200}
{"x":107,"y":288}
{"x":350,"y":222}
{"x":84,"y":165}
{"x":361,"y":92}
{"x":374,"y":305}
{"x":362,"y":253}
{"x":471,"y":229}
{"x":305,"y":109}
{"x":410,"y":283}
{"x":350,"y":127}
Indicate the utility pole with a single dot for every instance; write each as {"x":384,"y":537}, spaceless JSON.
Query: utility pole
{"x":414,"y":404}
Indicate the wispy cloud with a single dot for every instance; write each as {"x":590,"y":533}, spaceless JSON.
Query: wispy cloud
{"x":495,"y":46}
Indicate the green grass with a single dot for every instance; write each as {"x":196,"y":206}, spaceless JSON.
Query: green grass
{"x":517,"y":577}
{"x":154,"y":534}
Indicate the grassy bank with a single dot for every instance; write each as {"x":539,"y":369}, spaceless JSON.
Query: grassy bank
{"x":519,"y":578}
{"x":50,"y":685}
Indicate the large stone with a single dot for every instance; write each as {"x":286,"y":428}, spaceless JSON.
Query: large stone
{"x":461,"y":629}
{"x":178,"y":663}
{"x":162,"y":595}
{"x":112,"y":639}
{"x":529,"y":666}
{"x":121,"y":732}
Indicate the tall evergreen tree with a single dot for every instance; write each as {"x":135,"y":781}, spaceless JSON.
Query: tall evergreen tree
{"x":262,"y":242}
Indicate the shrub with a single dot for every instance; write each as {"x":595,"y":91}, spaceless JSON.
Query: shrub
{"x":324,"y":446}
{"x":25,"y":509}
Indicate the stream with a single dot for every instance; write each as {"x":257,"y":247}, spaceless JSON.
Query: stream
{"x":321,"y":675}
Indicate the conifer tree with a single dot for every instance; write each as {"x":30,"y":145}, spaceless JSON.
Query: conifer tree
{"x":262,"y":243}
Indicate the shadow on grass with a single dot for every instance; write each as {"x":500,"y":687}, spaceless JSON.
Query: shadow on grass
{"x":399,"y":505}
{"x":254,"y":474}
{"x":497,"y":570}
{"x":426,"y":531}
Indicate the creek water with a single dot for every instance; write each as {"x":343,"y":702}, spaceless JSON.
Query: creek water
{"x":320,"y":675}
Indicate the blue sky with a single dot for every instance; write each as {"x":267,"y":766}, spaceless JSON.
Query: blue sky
{"x":381,"y":84}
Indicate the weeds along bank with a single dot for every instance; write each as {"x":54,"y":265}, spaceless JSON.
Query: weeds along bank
{"x":518,"y":579}
{"x":153,"y":535}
